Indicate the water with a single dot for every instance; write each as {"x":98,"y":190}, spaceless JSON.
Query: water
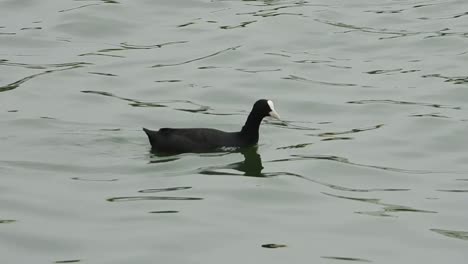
{"x":368,"y":165}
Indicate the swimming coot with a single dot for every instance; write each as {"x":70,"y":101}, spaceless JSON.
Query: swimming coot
{"x":181,"y":140}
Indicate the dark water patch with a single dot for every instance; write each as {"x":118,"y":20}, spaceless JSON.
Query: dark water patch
{"x":312,"y":61}
{"x":436,"y":115}
{"x":396,"y":11}
{"x":68,"y":261}
{"x":151,"y":198}
{"x":444,"y":33}
{"x":346,"y":258}
{"x":12,"y":111}
{"x":7,"y":221}
{"x":277,"y":54}
{"x":451,"y":233}
{"x":110,"y":129}
{"x":94,"y":180}
{"x":344,"y":67}
{"x":302,"y":79}
{"x":168,"y":81}
{"x":200,"y":109}
{"x":208,"y":67}
{"x":164,"y":212}
{"x":337,"y":138}
{"x":31,"y":28}
{"x":258,"y":71}
{"x":75,"y":8}
{"x":462,"y":179}
{"x":101,"y":54}
{"x":197,"y":59}
{"x":273,"y":246}
{"x":241,"y":25}
{"x":14,"y":85}
{"x":186,"y":24}
{"x":303,"y":145}
{"x":170,"y":189}
{"x":103,"y":74}
{"x":384,"y":71}
{"x":458,"y":15}
{"x":451,"y":79}
{"x":387,"y":208}
{"x":273,"y":14}
{"x":352,"y":131}
{"x":454,"y":190}
{"x":384,"y":101}
{"x":164,"y":160}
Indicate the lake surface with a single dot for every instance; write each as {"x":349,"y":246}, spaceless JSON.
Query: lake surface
{"x":369,"y":163}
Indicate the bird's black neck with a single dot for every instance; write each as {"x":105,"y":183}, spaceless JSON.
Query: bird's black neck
{"x":250,"y":130}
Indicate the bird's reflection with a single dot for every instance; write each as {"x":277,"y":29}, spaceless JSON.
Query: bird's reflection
{"x":252,"y":164}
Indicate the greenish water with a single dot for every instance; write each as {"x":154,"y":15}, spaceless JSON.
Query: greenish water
{"x":368,"y":165}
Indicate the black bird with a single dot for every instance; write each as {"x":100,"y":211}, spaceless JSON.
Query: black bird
{"x":197,"y":140}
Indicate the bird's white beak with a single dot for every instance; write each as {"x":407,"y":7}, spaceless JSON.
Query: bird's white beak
{"x":274,"y":114}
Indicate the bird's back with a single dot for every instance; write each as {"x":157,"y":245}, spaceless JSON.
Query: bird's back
{"x":175,"y":140}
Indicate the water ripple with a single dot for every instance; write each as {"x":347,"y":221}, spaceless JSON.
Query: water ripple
{"x":164,"y":212}
{"x":436,"y":115}
{"x":387,"y":208}
{"x":241,"y":25}
{"x":352,"y":131}
{"x":151,"y":198}
{"x":196,"y":59}
{"x":452,"y":79}
{"x":202,"y":109}
{"x":68,"y":261}
{"x":346,"y":259}
{"x":7,"y":221}
{"x":346,"y":161}
{"x":392,"y":33}
{"x":385,"y":101}
{"x":455,"y":190}
{"x":43,"y":66}
{"x":95,"y":180}
{"x":16,"y":84}
{"x":271,"y":245}
{"x":170,"y":189}
{"x":78,"y":7}
{"x":298,"y":78}
{"x":451,"y":233}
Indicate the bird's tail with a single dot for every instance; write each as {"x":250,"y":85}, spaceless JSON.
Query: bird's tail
{"x":151,"y":136}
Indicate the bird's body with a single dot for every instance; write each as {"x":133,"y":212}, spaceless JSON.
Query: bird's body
{"x":181,"y":140}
